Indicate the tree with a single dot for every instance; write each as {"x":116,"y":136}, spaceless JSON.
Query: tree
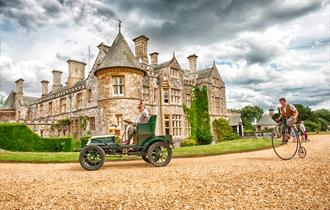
{"x":249,"y":113}
{"x":312,"y":126}
{"x":199,"y":117}
{"x":322,"y":113}
{"x":305,"y":113}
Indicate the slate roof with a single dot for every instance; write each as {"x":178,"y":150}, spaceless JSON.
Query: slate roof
{"x":161,"y":65}
{"x":266,"y":120}
{"x":204,"y":72}
{"x":235,"y":120}
{"x":28,"y":100}
{"x":9,"y":103}
{"x":119,"y":55}
{"x":81,"y":82}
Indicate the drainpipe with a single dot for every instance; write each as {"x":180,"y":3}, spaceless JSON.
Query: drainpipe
{"x":160,"y":106}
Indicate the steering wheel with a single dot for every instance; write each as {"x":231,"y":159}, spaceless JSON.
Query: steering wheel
{"x":127,"y":121}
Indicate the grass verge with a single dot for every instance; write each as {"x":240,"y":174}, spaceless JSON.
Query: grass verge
{"x":226,"y":147}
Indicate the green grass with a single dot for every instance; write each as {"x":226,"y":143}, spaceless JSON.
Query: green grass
{"x":234,"y":146}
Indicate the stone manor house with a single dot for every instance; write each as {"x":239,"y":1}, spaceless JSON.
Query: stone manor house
{"x":112,"y":91}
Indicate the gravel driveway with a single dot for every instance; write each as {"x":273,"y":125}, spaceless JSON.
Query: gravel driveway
{"x":246,"y":180}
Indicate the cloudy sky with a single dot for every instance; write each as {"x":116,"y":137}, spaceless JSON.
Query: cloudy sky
{"x":263,"y":49}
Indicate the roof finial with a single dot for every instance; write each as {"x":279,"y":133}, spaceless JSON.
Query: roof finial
{"x":119,"y":25}
{"x":213,"y":62}
{"x":173,"y":54}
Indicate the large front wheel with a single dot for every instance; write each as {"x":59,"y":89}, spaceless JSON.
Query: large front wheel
{"x":92,"y":157}
{"x":159,"y":154}
{"x":285,"y":141}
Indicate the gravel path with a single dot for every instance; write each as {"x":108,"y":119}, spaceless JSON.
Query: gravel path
{"x":246,"y":180}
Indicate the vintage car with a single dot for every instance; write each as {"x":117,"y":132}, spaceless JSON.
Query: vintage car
{"x":156,"y":150}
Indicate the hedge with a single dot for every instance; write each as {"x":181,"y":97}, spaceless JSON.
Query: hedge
{"x":84,"y":140}
{"x":19,"y":137}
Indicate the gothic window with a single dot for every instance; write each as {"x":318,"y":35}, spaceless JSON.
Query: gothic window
{"x":79,"y":100}
{"x":63,"y":105}
{"x":50,"y":108}
{"x":187,"y":126}
{"x":145,"y":93}
{"x":41,"y":109}
{"x":167,"y":124}
{"x":118,"y":85}
{"x":92,"y":123}
{"x":176,"y":125}
{"x":188,"y":100}
{"x":166,"y":96}
{"x":119,"y":120}
{"x":175,"y":96}
{"x":89,"y":95}
{"x":217,"y":104}
{"x":174,"y":73}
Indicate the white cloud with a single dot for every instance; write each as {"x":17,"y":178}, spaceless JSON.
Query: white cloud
{"x":260,"y":58}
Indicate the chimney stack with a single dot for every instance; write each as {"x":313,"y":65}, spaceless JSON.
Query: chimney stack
{"x":56,"y":80}
{"x":19,"y":94}
{"x":192,"y":66}
{"x":19,"y":86}
{"x":76,"y":72}
{"x":154,"y":58}
{"x":44,"y":87}
{"x":141,"y":48}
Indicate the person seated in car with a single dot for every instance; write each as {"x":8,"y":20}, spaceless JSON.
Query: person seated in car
{"x":142,"y":118}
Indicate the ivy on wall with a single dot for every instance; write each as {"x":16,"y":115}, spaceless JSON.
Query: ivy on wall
{"x":199,"y":117}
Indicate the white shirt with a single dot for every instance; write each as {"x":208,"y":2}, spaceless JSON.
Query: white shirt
{"x":302,"y":127}
{"x":143,"y":118}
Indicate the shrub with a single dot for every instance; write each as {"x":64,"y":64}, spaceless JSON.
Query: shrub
{"x":188,"y":142}
{"x":19,"y":137}
{"x":223,"y":131}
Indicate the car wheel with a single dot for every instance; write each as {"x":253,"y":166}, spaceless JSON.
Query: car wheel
{"x":92,"y":157}
{"x":159,"y":154}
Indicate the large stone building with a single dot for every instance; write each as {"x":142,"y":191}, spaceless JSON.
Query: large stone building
{"x":112,"y":91}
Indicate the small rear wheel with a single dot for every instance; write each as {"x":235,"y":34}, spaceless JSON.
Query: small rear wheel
{"x":159,"y":154}
{"x":302,"y":152}
{"x":92,"y":157}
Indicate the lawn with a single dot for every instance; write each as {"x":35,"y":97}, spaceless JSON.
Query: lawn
{"x":234,"y":146}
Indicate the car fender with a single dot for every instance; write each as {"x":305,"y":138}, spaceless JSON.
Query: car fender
{"x":146,"y":144}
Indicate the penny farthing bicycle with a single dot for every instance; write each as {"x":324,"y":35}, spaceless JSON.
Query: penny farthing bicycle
{"x":286,"y":141}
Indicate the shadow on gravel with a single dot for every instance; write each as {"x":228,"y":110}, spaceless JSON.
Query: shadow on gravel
{"x":262,"y":158}
{"x":113,"y":165}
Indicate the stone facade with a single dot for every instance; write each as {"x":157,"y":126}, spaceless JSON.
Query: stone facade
{"x":112,"y":91}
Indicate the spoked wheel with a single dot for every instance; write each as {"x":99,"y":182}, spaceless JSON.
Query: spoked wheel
{"x":285,"y":144}
{"x":302,"y":152}
{"x":145,"y":158}
{"x":159,"y":154}
{"x":92,"y":157}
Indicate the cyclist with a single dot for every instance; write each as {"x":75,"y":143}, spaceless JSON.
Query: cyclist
{"x":289,"y":115}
